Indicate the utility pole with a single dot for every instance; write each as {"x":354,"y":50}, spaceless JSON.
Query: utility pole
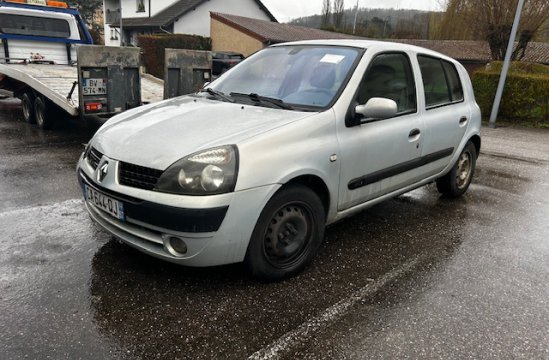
{"x":505,"y":68}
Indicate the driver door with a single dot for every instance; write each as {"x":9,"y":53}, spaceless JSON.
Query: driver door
{"x":380,"y":156}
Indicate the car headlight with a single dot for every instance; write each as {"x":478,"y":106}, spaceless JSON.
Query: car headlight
{"x":207,"y":172}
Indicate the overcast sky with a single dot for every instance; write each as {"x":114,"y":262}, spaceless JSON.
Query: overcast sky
{"x":285,"y":10}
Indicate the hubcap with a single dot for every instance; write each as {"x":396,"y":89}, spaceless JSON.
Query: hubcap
{"x":287,"y":236}
{"x":463,"y":172}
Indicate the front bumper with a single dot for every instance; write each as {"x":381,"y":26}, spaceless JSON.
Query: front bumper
{"x":167,"y":217}
{"x":216,"y":229}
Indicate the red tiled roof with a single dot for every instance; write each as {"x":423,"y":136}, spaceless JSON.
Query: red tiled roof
{"x":462,"y":50}
{"x":468,"y":50}
{"x":271,"y":32}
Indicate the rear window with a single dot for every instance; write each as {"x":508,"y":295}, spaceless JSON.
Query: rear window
{"x":441,"y":82}
{"x":34,"y":26}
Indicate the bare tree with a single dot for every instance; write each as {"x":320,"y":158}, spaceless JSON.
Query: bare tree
{"x":89,"y":10}
{"x":326,"y":14}
{"x":491,"y":20}
{"x":339,"y":14}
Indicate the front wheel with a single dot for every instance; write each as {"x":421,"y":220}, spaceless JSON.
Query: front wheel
{"x":287,"y":235}
{"x":457,"y":181}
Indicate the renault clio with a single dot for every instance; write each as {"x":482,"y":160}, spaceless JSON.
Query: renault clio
{"x":300,"y":135}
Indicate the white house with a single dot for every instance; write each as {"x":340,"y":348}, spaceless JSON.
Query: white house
{"x":171,"y":16}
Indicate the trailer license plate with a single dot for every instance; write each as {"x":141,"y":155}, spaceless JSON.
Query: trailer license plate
{"x":104,"y":202}
{"x":94,"y":86}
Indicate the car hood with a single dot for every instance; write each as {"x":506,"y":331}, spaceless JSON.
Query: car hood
{"x":158,"y":135}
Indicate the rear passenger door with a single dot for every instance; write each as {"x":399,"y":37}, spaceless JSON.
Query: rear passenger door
{"x":445,"y":113}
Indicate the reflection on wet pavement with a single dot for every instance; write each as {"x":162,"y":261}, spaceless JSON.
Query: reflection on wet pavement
{"x":478,"y":288}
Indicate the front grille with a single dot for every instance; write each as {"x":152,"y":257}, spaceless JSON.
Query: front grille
{"x":94,"y":157}
{"x":138,"y":176}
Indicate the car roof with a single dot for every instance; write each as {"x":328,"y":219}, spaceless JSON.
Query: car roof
{"x":375,"y":45}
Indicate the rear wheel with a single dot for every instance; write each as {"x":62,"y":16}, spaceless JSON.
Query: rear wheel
{"x":27,"y":103}
{"x":287,"y":234}
{"x":457,"y":181}
{"x":44,"y":119}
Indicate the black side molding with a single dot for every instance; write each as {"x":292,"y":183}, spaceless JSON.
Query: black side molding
{"x":398,"y":169}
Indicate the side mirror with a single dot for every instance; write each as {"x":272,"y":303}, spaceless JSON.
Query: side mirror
{"x":376,"y":109}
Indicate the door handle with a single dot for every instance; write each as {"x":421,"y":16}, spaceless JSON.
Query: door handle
{"x":463,"y":120}
{"x":413,"y":133}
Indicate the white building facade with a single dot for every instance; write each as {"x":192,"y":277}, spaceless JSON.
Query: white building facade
{"x":171,"y":16}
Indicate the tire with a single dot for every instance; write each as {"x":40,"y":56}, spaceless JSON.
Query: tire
{"x":27,"y":102}
{"x":295,"y":215}
{"x":43,"y":116}
{"x":457,"y":181}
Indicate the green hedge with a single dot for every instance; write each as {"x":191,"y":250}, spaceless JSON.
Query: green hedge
{"x":153,"y":47}
{"x":519,"y":67}
{"x":526,"y":94}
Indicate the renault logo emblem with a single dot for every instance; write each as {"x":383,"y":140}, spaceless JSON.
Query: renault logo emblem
{"x":102,"y":171}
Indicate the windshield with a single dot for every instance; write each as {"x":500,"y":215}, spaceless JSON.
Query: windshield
{"x":308,"y":76}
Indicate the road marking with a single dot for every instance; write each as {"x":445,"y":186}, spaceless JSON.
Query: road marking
{"x":307,"y":330}
{"x":41,"y":208}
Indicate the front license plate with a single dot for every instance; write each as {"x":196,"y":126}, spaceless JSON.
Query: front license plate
{"x":94,"y":87}
{"x":104,"y":202}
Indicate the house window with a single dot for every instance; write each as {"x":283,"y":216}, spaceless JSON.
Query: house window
{"x":140,"y":6}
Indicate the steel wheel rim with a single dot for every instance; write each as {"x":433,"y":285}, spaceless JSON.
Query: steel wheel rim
{"x":464,"y":167}
{"x":288,"y":235}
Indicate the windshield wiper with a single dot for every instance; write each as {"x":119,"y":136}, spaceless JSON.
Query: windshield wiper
{"x":265,"y":99}
{"x":217,"y":94}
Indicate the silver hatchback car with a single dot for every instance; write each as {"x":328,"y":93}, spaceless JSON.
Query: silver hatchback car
{"x":292,"y":139}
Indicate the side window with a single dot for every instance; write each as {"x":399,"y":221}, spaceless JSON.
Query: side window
{"x":441,"y":81}
{"x":390,"y":76}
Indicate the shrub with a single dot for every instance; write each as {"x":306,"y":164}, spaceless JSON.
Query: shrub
{"x":153,"y":47}
{"x":525,"y":96}
{"x":519,"y":67}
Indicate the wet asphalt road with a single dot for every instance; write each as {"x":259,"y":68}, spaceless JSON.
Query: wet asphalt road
{"x":418,"y":276}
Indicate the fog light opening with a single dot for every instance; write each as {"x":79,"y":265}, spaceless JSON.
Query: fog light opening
{"x":175,"y":246}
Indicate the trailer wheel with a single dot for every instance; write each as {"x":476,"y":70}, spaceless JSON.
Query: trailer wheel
{"x":43,"y":118}
{"x":27,"y":102}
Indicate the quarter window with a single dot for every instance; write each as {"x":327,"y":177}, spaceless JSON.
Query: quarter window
{"x":390,"y":76}
{"x":441,"y":82}
{"x":34,"y":26}
{"x":456,"y":90}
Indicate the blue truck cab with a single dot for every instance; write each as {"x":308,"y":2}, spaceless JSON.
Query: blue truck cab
{"x":41,"y":31}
